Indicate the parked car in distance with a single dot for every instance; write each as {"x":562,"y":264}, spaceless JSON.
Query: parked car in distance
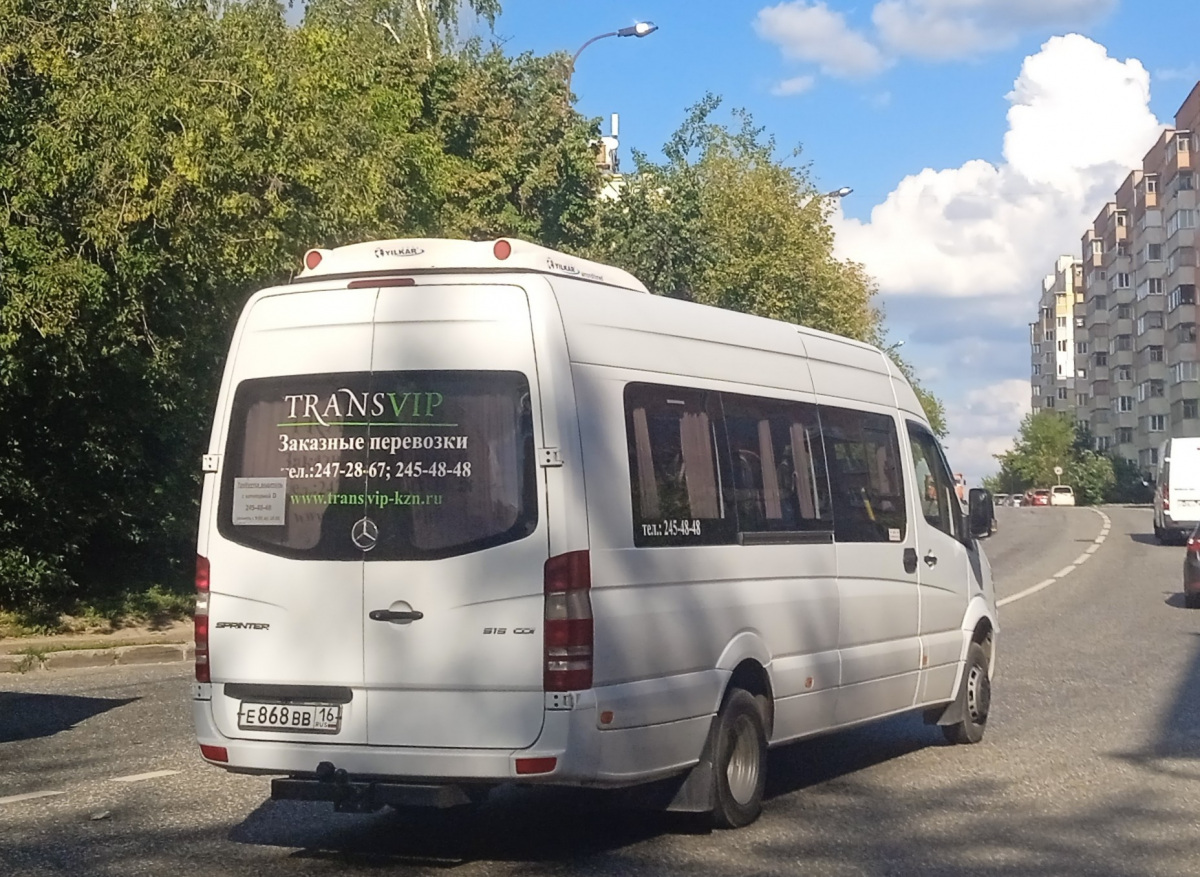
{"x":1000,"y":499}
{"x":1191,"y":571}
{"x":1062,"y":494}
{"x":1041,"y":496}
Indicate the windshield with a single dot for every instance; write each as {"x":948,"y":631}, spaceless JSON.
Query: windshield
{"x":380,"y":466}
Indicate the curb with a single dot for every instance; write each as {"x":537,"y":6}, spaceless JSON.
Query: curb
{"x":70,"y":659}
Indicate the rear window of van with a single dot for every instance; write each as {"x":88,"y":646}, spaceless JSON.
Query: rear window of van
{"x":410,"y":465}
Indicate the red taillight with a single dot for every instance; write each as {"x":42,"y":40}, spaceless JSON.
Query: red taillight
{"x":502,"y":250}
{"x":568,"y":622}
{"x":214,"y":753}
{"x":200,"y":621}
{"x":536,"y":765}
{"x":312,"y":259}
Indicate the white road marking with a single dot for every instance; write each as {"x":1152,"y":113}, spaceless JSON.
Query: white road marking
{"x":1026,"y":592}
{"x":30,"y":796}
{"x":138,"y":777}
{"x":1067,"y":570}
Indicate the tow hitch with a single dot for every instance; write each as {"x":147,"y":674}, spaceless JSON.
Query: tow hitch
{"x":356,"y":795}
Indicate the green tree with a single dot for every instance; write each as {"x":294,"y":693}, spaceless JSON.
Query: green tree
{"x":724,"y":222}
{"x":1046,"y":440}
{"x":159,"y":160}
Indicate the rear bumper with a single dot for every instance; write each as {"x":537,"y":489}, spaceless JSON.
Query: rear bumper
{"x":584,"y":755}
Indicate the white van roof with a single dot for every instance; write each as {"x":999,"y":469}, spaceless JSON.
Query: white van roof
{"x":425,"y":255}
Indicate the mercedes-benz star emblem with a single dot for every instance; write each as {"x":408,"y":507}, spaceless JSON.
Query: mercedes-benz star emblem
{"x":364,"y":534}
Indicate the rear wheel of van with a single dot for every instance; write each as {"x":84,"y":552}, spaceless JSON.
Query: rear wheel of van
{"x":739,"y":761}
{"x":976,"y":696}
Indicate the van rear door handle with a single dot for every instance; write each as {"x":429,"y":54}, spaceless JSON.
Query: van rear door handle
{"x":931,"y":559}
{"x":910,"y":560}
{"x":391,"y":615}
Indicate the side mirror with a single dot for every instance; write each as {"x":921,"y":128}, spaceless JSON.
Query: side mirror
{"x":980,"y":513}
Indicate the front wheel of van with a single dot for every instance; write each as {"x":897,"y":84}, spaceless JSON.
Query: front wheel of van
{"x":739,"y":762}
{"x":976,"y":697}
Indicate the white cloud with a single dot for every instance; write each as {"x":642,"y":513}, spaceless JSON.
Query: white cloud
{"x":960,"y":253}
{"x":983,"y":425}
{"x":945,"y":29}
{"x":1190,"y":73}
{"x":933,"y":30}
{"x":795,"y":85}
{"x":1078,"y":122}
{"x":814,"y":33}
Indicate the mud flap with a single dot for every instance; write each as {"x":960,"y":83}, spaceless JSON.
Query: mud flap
{"x":953,"y":712}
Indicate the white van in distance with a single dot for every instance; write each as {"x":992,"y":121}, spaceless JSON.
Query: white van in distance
{"x":485,"y":513}
{"x":1177,"y":490}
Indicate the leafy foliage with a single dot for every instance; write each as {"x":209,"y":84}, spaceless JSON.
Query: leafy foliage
{"x":724,"y":223}
{"x":1047,"y":439}
{"x":159,"y":159}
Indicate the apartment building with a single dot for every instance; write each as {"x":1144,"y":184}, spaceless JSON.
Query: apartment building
{"x":1136,"y":367}
{"x":1053,"y":347}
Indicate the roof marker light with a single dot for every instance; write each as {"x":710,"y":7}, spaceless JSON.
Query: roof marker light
{"x":312,"y":259}
{"x":502,"y":250}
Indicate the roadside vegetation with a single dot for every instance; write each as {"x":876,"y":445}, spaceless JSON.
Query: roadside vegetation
{"x":162,"y":159}
{"x":1047,"y":440}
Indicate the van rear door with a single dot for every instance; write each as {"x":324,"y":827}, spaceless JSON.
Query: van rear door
{"x":286,"y":604}
{"x":452,"y":621}
{"x":1184,"y":479}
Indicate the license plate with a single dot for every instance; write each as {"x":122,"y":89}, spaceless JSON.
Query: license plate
{"x":312,"y":717}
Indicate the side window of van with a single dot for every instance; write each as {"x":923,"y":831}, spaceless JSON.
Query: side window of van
{"x":863,"y":453}
{"x":679,"y":497}
{"x":936,"y":491}
{"x":777,"y":465}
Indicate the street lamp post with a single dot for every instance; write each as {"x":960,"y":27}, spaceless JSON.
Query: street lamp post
{"x":639,"y":30}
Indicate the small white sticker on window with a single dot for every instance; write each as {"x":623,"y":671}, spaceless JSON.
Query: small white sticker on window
{"x":259,"y":502}
{"x":893,"y":534}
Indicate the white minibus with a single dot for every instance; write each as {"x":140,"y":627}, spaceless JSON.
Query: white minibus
{"x":483,"y":513}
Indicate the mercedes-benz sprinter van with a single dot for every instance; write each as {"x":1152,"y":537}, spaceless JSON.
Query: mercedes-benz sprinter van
{"x":485,"y":513}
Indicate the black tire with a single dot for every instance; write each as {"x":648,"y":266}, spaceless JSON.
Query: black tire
{"x":976,"y":694}
{"x":739,"y":761}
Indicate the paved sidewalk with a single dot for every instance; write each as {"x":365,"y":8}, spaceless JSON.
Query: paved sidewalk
{"x":130,"y":646}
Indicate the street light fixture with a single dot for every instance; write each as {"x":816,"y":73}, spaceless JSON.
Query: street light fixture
{"x":639,"y":30}
{"x":839,"y":193}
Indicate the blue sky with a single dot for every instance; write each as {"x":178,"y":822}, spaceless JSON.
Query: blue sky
{"x":980,"y":137}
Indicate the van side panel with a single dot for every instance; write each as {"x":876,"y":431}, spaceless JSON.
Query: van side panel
{"x":669,"y":613}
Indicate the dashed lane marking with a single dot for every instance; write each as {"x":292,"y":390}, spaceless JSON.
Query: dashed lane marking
{"x":1066,"y":570}
{"x":138,"y":777}
{"x":29,"y":796}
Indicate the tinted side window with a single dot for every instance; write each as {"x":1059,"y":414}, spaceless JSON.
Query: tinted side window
{"x":777,"y":462}
{"x":935,"y":486}
{"x":676,"y":478}
{"x":863,"y":454}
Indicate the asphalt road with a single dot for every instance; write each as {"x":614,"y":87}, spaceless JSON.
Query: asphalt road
{"x":1090,"y":765}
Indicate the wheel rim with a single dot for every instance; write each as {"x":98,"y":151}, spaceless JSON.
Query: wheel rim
{"x":742,"y":770}
{"x":979,"y":694}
